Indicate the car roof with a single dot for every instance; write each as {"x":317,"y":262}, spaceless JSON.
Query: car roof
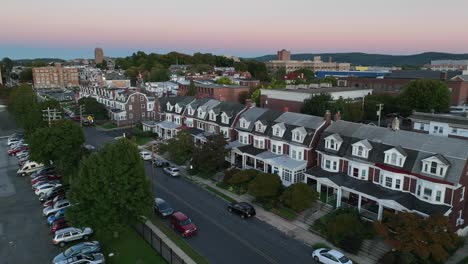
{"x":179,"y":216}
{"x":159,"y":200}
{"x":68,"y":229}
{"x":335,"y":253}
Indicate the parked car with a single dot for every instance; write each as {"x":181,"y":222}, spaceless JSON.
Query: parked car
{"x":160,"y":163}
{"x":162,"y":208}
{"x":52,"y":193}
{"x":38,"y":184}
{"x":14,"y":140}
{"x":29,"y":167}
{"x":78,"y":249}
{"x":12,"y":152}
{"x":330,"y":256}
{"x":45,"y":187}
{"x":23,"y":153}
{"x":90,"y":148}
{"x":95,"y":258}
{"x":43,"y":171}
{"x":145,"y":155}
{"x":54,"y":200}
{"x":69,"y":234}
{"x":182,"y":223}
{"x":245,"y":210}
{"x":58,"y":224}
{"x":45,"y":177}
{"x":61,"y":204}
{"x":60,"y":214}
{"x":172,"y":171}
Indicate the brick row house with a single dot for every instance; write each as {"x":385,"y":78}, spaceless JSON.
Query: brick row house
{"x":125,"y":106}
{"x":274,"y":142}
{"x":379,"y":170}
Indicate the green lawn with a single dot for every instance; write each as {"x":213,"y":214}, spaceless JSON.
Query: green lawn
{"x":129,"y":248}
{"x":109,"y":125}
{"x":285,"y":213}
{"x":178,"y":240}
{"x":142,"y":140}
{"x":222,"y":195}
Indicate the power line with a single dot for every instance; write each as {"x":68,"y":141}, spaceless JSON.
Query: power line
{"x":50,"y":115}
{"x":379,"y":112}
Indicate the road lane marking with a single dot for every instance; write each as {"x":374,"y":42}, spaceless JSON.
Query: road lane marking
{"x":243,"y":241}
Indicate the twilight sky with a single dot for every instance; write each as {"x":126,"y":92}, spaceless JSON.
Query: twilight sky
{"x":71,"y":29}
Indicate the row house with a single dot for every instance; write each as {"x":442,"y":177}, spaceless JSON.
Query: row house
{"x":125,"y":106}
{"x":379,"y":170}
{"x":201,"y":117}
{"x":274,"y":142}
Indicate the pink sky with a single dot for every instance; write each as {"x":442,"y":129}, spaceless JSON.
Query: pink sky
{"x":241,"y":27}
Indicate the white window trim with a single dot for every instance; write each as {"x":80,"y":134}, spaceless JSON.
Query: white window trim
{"x":224,"y":118}
{"x":427,"y":163}
{"x":421,"y":185}
{"x":333,"y":161}
{"x":361,"y":168}
{"x":388,"y":158}
{"x":299,"y":152}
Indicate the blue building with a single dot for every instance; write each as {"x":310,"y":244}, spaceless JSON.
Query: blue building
{"x":368,"y":74}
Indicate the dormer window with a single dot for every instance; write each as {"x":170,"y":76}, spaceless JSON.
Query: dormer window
{"x":200,"y":113}
{"x":259,"y":127}
{"x":435,"y":165}
{"x":212,"y":116}
{"x":169,"y":106}
{"x":362,"y":148}
{"x":224,"y":118}
{"x":278,"y":130}
{"x":298,"y":134}
{"x":178,"y":108}
{"x":244,"y":124}
{"x":190,"y":111}
{"x":333,"y":142}
{"x":395,"y":156}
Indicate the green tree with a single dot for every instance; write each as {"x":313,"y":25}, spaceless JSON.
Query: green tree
{"x":102,"y":66}
{"x":350,"y":110}
{"x":298,"y":196}
{"x":23,"y":104}
{"x":51,"y":104}
{"x":265,"y":186}
{"x":390,"y":105}
{"x":60,"y":143}
{"x":280,"y":73}
{"x":210,"y":156}
{"x":309,"y":75}
{"x":26,"y":75}
{"x":224,"y":81}
{"x":179,"y":148}
{"x":241,"y":179}
{"x":111,"y":190}
{"x":93,"y":107}
{"x":428,"y":238}
{"x":425,"y":96}
{"x":158,"y":74}
{"x":256,"y":96}
{"x":330,"y":79}
{"x":243,"y":96}
{"x":317,"y":105}
{"x":192,"y":89}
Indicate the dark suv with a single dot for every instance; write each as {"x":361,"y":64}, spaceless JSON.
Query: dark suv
{"x":183,"y":224}
{"x":245,"y":210}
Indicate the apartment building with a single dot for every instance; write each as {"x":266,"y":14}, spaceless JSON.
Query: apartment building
{"x":284,"y":61}
{"x":225,"y":93}
{"x":125,"y":106}
{"x":55,"y":77}
{"x":274,"y":142}
{"x":440,"y":124}
{"x":382,"y":170}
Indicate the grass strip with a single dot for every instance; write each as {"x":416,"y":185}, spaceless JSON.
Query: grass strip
{"x":221,"y":194}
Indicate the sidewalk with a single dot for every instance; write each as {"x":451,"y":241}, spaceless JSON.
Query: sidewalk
{"x":460,"y":254}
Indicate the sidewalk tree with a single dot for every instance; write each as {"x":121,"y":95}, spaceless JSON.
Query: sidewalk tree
{"x":427,"y":238}
{"x":265,"y":186}
{"x":192,"y":89}
{"x":425,"y":96}
{"x":111,"y":190}
{"x":210,"y":156}
{"x":224,"y":81}
{"x":179,"y":148}
{"x":93,"y":107}
{"x":298,"y":196}
{"x":23,"y":104}
{"x":60,"y":143}
{"x":241,"y":179}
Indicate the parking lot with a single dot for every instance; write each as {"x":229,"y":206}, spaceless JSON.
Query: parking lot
{"x":24,"y":234}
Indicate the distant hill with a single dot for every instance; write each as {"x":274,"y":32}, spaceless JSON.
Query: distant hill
{"x":357,"y":58}
{"x":44,"y":60}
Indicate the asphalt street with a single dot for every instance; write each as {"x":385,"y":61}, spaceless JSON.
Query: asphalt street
{"x":223,"y":237}
{"x":24,"y":234}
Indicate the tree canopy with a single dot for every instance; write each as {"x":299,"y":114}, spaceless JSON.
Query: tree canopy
{"x":209,"y":157}
{"x":111,"y":190}
{"x":298,"y":196}
{"x":265,"y":185}
{"x":93,"y":107}
{"x":318,"y":104}
{"x":179,"y":148}
{"x":192,"y":89}
{"x":427,"y":238}
{"x":22,"y":103}
{"x":224,"y":81}
{"x":426,"y":95}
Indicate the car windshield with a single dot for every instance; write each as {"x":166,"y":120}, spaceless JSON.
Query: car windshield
{"x":69,"y":252}
{"x":163,"y":206}
{"x":344,"y":259}
{"x":186,"y":222}
{"x":175,"y":169}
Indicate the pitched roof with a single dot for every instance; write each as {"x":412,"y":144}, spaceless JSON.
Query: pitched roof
{"x":421,"y":74}
{"x":442,"y":118}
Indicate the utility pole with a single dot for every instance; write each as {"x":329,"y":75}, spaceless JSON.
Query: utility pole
{"x":50,"y":115}
{"x":379,"y":112}
{"x":81,"y":115}
{"x":154,"y":151}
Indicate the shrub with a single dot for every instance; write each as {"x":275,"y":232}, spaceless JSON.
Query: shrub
{"x":241,"y":179}
{"x":265,"y":185}
{"x":344,"y":228}
{"x":397,"y":257}
{"x":298,"y":196}
{"x":319,"y":245}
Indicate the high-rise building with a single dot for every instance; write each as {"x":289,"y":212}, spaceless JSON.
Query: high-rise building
{"x":98,"y":55}
{"x":284,"y":55}
{"x":55,"y":77}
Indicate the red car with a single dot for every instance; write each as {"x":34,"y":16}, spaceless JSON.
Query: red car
{"x":50,"y":177}
{"x":60,"y":223}
{"x":183,"y":224}
{"x":16,"y":150}
{"x":52,"y":202}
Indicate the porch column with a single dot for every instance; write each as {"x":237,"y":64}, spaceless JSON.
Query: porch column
{"x":359,"y":203}
{"x":318,"y":187}
{"x":265,"y":166}
{"x":243,"y":161}
{"x":380,"y":213}
{"x":338,"y":197}
{"x":255,"y":163}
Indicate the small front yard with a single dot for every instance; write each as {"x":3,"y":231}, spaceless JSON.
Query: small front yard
{"x":129,"y":248}
{"x":285,"y":213}
{"x":108,"y":125}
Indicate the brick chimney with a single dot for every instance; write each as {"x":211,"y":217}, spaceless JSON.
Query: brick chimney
{"x":328,"y":117}
{"x":337,"y":116}
{"x":443,"y":76}
{"x":248,"y":103}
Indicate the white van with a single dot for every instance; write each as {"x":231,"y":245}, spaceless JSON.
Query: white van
{"x":29,"y":167}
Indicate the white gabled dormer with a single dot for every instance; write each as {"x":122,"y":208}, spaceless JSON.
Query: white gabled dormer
{"x":212,"y":115}
{"x":224,"y":118}
{"x":395,"y":156}
{"x":435,"y":165}
{"x":191,"y":111}
{"x":259,"y":127}
{"x":362,"y":148}
{"x":243,"y":123}
{"x":200,"y":113}
{"x":278,"y":130}
{"x":299,"y":134}
{"x":333,"y":142}
{"x":169,"y":106}
{"x":178,"y":109}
